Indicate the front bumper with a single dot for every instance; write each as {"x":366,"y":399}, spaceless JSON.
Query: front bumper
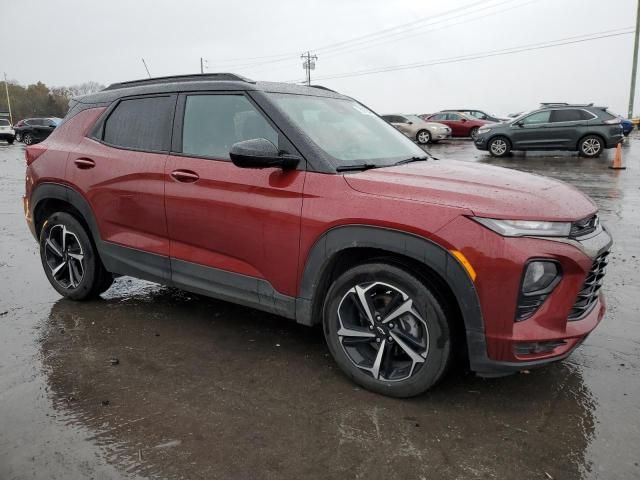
{"x":440,"y":134}
{"x":497,"y":346}
{"x":481,"y":142}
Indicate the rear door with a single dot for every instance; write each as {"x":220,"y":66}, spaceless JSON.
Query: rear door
{"x":565,"y":126}
{"x":120,"y":171}
{"x":234,"y":231}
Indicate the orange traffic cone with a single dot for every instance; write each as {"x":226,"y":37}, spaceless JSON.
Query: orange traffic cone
{"x":617,"y":160}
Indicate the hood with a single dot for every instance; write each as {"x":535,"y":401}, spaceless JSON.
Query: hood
{"x":486,"y":190}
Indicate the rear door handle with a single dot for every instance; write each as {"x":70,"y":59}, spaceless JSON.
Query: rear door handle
{"x":84,"y":163}
{"x":185,"y":176}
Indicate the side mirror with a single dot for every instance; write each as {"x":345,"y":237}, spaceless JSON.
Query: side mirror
{"x":518,"y":124}
{"x":260,"y":153}
{"x":409,"y":122}
{"x":463,"y":119}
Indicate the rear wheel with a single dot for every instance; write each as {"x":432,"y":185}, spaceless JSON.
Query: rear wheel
{"x":474,"y":133}
{"x":590,"y":146}
{"x":10,"y":141}
{"x":386,"y":330}
{"x":28,"y":139}
{"x":499,"y":147}
{"x":70,"y":260}
{"x":423,"y":137}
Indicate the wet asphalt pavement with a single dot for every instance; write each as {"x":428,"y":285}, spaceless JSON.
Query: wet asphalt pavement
{"x":207,"y":389}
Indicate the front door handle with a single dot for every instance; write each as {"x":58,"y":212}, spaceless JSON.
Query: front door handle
{"x":84,"y":163}
{"x":185,"y":176}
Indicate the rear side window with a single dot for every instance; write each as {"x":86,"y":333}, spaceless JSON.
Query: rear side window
{"x":213,"y":123}
{"x":141,"y":124}
{"x":568,"y":115}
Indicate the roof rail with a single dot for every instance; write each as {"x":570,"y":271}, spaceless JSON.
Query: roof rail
{"x":229,"y":77}
{"x":565,"y":104}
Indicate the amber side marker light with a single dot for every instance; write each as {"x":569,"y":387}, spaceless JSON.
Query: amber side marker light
{"x":465,"y":263}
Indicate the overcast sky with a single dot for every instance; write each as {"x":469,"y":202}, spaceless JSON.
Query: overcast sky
{"x":71,"y":41}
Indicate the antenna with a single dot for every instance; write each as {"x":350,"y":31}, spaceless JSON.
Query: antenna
{"x":145,"y":67}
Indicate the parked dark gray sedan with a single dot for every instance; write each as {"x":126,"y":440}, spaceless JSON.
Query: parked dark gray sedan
{"x":585,"y":128}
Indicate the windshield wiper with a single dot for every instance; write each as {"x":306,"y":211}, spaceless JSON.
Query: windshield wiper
{"x":356,"y":167}
{"x":412,"y":159}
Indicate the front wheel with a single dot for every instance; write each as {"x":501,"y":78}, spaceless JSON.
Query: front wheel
{"x":499,"y":147}
{"x":18,"y":137}
{"x":386,"y":330}
{"x":590,"y":146}
{"x":423,"y":137}
{"x":70,"y":260}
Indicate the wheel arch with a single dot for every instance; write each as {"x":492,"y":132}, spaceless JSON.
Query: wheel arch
{"x":343,"y":247}
{"x":50,"y":197}
{"x":592,"y":134}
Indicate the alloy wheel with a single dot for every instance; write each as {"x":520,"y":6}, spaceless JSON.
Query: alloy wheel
{"x":28,"y":139}
{"x":498,"y":147}
{"x":424,"y":137}
{"x":591,"y":146}
{"x":381,"y":332}
{"x":64,"y":257}
{"x":474,"y":133}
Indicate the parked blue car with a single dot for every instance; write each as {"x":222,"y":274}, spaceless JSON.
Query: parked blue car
{"x":627,"y":126}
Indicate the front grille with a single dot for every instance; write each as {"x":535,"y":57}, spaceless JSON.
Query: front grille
{"x":589,"y":294}
{"x":583,"y":227}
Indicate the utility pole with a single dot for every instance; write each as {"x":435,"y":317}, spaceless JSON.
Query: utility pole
{"x":201,"y":65}
{"x":309,"y":63}
{"x":145,"y":67}
{"x":6,"y":87}
{"x":634,"y":67}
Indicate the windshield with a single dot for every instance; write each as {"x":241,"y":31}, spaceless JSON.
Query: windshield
{"x":347,"y":131}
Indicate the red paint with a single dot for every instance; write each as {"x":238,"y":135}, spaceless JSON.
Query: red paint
{"x":459,"y":128}
{"x":263,"y":223}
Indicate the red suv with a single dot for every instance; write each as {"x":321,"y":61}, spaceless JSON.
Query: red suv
{"x":303,"y":202}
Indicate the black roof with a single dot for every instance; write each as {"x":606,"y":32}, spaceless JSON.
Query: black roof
{"x":200,"y":82}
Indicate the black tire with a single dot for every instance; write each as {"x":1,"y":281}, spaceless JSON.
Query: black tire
{"x":10,"y":141}
{"x":473,"y":133}
{"x":423,"y":137}
{"x":590,"y":146}
{"x":18,"y":137}
{"x":28,"y":139}
{"x":410,"y":380}
{"x":499,"y":147}
{"x":75,"y":278}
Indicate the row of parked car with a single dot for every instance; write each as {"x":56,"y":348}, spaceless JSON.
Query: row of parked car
{"x":28,"y":130}
{"x":586,"y":128}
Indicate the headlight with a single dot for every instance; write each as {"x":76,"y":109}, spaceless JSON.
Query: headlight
{"x":521,"y":228}
{"x":484,"y":129}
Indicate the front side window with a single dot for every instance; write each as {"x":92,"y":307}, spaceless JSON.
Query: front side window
{"x":140,"y":124}
{"x":345,"y":130}
{"x":213,"y":123}
{"x":536,"y":118}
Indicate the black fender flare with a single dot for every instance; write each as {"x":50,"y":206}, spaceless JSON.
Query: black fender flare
{"x":57,"y":191}
{"x":409,"y":245}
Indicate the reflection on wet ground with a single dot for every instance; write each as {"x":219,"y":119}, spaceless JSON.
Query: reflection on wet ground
{"x":154,"y":382}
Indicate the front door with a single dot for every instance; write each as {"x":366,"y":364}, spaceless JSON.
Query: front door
{"x":533,"y":132}
{"x":234,"y":232}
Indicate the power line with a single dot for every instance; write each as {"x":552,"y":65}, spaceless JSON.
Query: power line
{"x":392,"y":31}
{"x":480,"y":55}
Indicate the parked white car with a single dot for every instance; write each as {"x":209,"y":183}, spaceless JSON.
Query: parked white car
{"x":7,"y":132}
